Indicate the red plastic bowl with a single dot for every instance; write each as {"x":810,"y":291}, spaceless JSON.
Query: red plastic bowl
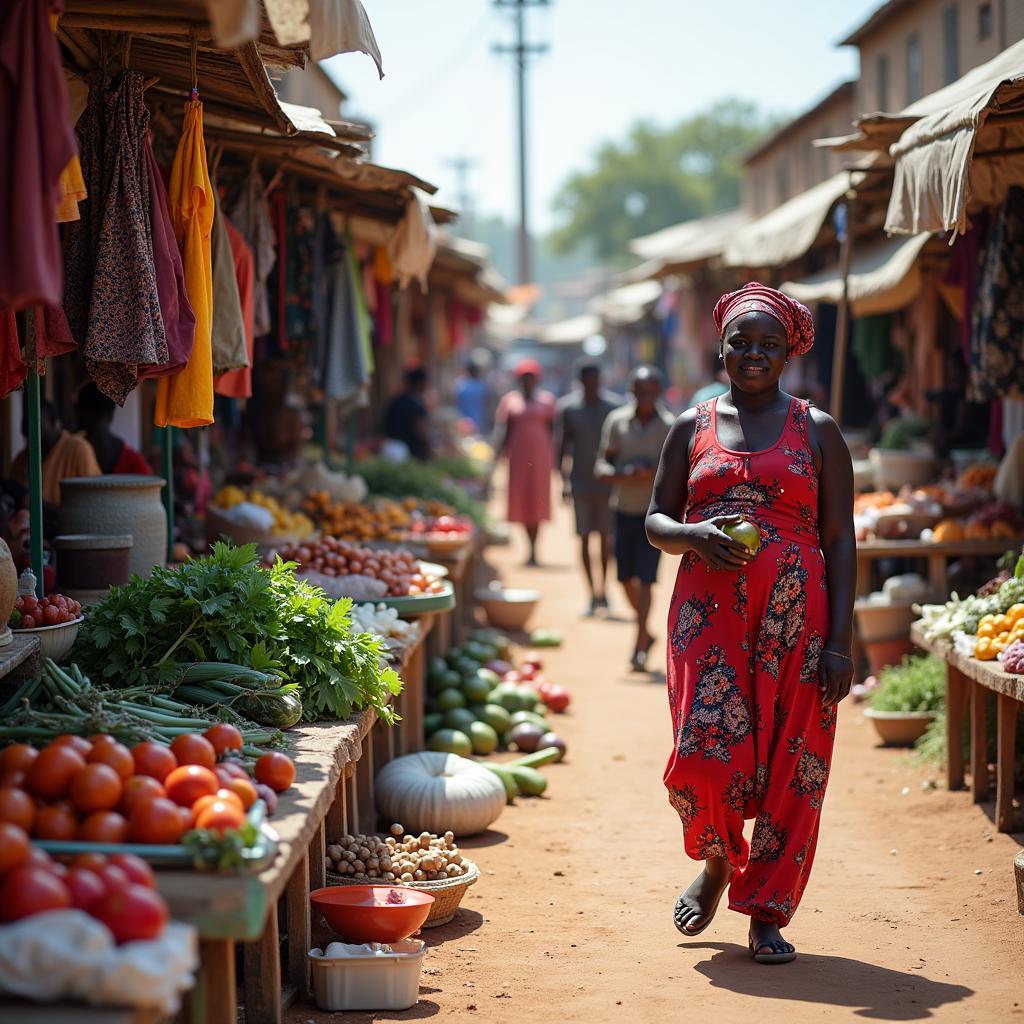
{"x":358,"y":913}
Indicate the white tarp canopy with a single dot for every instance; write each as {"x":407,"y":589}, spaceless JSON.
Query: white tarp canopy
{"x":939,"y":169}
{"x":788,"y":231}
{"x":883,"y":277}
{"x":573,"y":331}
{"x":628,"y":304}
{"x":691,"y":242}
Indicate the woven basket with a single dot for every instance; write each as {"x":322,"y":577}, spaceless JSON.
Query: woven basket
{"x":447,"y":892}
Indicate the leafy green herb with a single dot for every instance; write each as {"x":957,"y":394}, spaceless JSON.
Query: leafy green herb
{"x":227,"y":607}
{"x":426,"y":481}
{"x":918,"y":684}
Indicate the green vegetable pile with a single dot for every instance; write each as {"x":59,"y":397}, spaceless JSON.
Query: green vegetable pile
{"x":900,"y":434}
{"x":918,"y":684}
{"x":423,"y":480}
{"x":226,"y":607}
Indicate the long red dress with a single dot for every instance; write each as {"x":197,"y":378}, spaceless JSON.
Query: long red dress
{"x":531,"y":455}
{"x":752,"y":739}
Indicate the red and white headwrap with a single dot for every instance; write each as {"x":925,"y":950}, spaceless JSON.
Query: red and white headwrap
{"x":794,"y":316}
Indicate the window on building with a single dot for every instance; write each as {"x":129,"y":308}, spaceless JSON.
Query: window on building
{"x":950,"y":43}
{"x":914,"y":90}
{"x":882,"y":81}
{"x":984,"y":21}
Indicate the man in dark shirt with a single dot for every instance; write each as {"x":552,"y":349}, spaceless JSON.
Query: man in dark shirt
{"x":581,"y":415}
{"x":406,"y":419}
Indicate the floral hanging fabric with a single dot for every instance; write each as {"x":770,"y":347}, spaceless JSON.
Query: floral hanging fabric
{"x":111,"y":296}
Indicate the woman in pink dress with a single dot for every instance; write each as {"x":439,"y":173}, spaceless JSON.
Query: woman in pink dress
{"x":525,"y":421}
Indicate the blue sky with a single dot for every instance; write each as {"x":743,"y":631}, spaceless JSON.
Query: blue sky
{"x":610,"y":62}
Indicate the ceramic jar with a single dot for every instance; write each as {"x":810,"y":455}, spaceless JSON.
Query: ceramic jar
{"x":89,"y":564}
{"x":119,"y":504}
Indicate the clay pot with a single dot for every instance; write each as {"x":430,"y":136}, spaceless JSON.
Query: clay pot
{"x":119,"y":504}
{"x":89,"y":564}
{"x":882,"y":653}
{"x":900,"y":728}
{"x":8,"y":591}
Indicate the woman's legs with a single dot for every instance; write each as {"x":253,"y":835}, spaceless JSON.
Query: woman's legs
{"x":532,"y":529}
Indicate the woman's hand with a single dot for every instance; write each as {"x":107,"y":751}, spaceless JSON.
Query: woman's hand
{"x":714,"y":546}
{"x":835,"y":676}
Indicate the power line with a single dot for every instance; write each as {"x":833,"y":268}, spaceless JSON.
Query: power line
{"x":522,"y":51}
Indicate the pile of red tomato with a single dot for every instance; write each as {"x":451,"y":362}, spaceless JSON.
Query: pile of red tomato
{"x":97,"y":790}
{"x":447,"y":526}
{"x":119,"y":891}
{"x":529,"y":674}
{"x":52,"y":610}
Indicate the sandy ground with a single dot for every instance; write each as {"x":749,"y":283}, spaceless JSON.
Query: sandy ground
{"x":910,"y":913}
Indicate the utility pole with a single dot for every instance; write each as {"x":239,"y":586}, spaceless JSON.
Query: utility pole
{"x":521,"y":52}
{"x":462,"y":165}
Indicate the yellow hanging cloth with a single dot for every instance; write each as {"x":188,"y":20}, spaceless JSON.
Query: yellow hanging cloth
{"x":185,"y":399}
{"x":72,"y":184}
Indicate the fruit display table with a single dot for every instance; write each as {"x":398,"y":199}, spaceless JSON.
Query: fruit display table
{"x":969,"y":681}
{"x":333,"y":794}
{"x":937,"y":556}
{"x":461,"y":568}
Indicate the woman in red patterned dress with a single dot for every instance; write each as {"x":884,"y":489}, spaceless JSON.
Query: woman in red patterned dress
{"x":759,"y":644}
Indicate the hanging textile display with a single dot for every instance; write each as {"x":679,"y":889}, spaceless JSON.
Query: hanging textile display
{"x":364,"y":320}
{"x":110,"y":295}
{"x":238,"y":383}
{"x":997,"y":322}
{"x":299,"y":320}
{"x":178,"y":319}
{"x":38,"y":142}
{"x":186,"y":398}
{"x":251,"y":215}
{"x":227,"y":332}
{"x":345,"y":365}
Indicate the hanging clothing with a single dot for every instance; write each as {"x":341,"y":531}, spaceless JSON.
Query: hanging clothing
{"x":962,"y":273}
{"x":752,"y":739}
{"x":13,"y":369}
{"x":299,"y":320}
{"x":872,"y":345}
{"x":238,"y":383}
{"x":997,"y":323}
{"x":72,"y":191}
{"x":71,"y":456}
{"x":38,"y":142}
{"x":228,"y":339}
{"x":111,"y":296}
{"x":251,"y":215}
{"x":383,"y":314}
{"x":178,"y":319}
{"x":343,"y":354}
{"x":186,"y":398}
{"x":531,"y":455}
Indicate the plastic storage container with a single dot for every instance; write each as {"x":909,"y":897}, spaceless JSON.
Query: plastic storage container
{"x":385,"y":981}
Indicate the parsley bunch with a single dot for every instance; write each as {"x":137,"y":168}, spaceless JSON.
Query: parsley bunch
{"x":227,"y":607}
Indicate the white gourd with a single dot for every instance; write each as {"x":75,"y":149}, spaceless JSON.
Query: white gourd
{"x":435,"y":792}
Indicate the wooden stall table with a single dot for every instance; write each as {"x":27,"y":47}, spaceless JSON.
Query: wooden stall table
{"x":462,"y":566}
{"x":969,"y":682}
{"x":936,"y":555}
{"x":335,"y":765}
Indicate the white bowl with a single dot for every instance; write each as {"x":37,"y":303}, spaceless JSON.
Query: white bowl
{"x":55,"y":641}
{"x":508,"y":609}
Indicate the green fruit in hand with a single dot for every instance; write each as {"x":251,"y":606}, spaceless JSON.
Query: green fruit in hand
{"x":745,"y":533}
{"x":449,"y":699}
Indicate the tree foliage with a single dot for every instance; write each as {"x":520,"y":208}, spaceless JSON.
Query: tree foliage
{"x":657,"y":177}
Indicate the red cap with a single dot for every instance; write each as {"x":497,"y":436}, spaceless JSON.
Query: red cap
{"x":529,"y":366}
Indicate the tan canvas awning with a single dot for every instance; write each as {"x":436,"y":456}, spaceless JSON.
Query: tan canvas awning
{"x":681,"y":246}
{"x":788,"y":231}
{"x":628,"y":304}
{"x":573,"y":331}
{"x":883,"y":277}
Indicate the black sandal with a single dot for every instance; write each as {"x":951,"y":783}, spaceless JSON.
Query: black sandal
{"x":773,"y":957}
{"x":682,"y":929}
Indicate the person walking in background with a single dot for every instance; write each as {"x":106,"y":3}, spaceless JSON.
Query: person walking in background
{"x":755,"y":491}
{"x":580,"y":418}
{"x":524,"y":422}
{"x":631,"y":444}
{"x":94,"y":413}
{"x":407,"y":419}
{"x":471,"y":396}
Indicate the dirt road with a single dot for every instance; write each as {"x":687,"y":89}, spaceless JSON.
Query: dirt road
{"x":910,"y":913}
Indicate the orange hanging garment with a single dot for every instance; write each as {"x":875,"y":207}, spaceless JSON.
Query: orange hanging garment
{"x":185,"y":399}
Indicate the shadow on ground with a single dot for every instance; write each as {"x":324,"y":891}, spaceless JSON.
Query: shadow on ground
{"x":873,"y":992}
{"x":464,"y":923}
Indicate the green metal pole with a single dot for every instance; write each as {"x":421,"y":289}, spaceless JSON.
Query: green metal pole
{"x":167,"y":470}
{"x":35,"y":454}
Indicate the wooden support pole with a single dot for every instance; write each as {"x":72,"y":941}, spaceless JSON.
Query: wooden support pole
{"x":317,"y":858}
{"x":261,"y":967}
{"x":298,"y":916}
{"x":35,"y":453}
{"x":167,"y":471}
{"x":979,"y":743}
{"x":215,"y":997}
{"x":336,"y":822}
{"x":364,"y":785}
{"x":843,"y":312}
{"x":1006,"y":735}
{"x":352,"y":817}
{"x":957,"y":696}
